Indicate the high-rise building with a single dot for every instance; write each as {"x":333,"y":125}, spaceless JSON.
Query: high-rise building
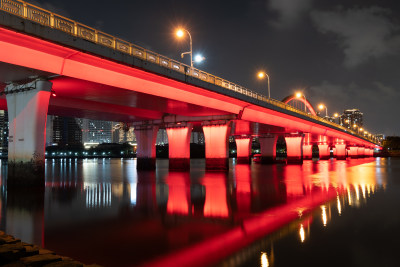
{"x":3,"y":132}
{"x":97,"y":131}
{"x":351,"y":117}
{"x":65,"y":131}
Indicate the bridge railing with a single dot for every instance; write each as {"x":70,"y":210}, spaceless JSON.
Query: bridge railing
{"x":50,"y":19}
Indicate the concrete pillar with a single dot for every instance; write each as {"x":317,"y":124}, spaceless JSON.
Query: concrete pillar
{"x":27,"y":113}
{"x":179,"y":146}
{"x":216,"y":141}
{"x":340,"y":151}
{"x":361,"y":152}
{"x":146,"y":137}
{"x":294,"y":149}
{"x":243,"y":149}
{"x":268,"y":148}
{"x":324,"y":152}
{"x":307,"y":151}
{"x":353,"y":152}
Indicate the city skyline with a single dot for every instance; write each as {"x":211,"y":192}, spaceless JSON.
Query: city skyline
{"x":341,"y":53}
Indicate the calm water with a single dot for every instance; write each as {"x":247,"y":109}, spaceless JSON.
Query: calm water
{"x":323,"y":213}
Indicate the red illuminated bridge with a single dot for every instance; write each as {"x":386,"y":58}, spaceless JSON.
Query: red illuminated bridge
{"x":95,"y":75}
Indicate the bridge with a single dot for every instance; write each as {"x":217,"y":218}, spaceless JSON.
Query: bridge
{"x":53,"y":65}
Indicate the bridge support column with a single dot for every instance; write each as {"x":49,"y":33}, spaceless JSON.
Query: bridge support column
{"x":307,"y":151}
{"x":353,"y":152}
{"x":361,"y":152}
{"x":27,"y":114}
{"x":146,"y":147}
{"x":294,"y":149}
{"x":268,"y":148}
{"x":243,"y":149}
{"x":370,"y":152}
{"x":324,"y":152}
{"x":340,"y":151}
{"x":216,"y":139}
{"x":179,"y":146}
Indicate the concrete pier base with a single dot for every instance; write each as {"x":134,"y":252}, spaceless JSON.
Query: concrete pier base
{"x":27,"y":113}
{"x":294,"y":149}
{"x":243,"y":148}
{"x":307,"y":151}
{"x":216,"y":140}
{"x":179,"y":146}
{"x":340,"y":151}
{"x":324,"y":152}
{"x":146,"y":136}
{"x":268,"y":149}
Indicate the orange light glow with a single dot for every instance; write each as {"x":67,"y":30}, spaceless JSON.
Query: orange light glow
{"x":180,"y":33}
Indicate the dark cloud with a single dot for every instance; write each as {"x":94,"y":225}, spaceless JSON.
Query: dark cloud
{"x":362,"y":33}
{"x":289,"y":11}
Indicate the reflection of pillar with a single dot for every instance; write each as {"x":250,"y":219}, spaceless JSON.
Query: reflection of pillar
{"x":353,"y":152}
{"x":27,"y":113}
{"x":146,"y":147}
{"x":340,"y":151}
{"x":324,"y":152}
{"x":243,"y":189}
{"x":179,"y":147}
{"x":268,"y":148}
{"x":216,"y":196}
{"x":294,"y":149}
{"x":216,"y":141}
{"x":360,"y":152}
{"x":178,"y":193}
{"x":243,"y":148}
{"x":334,"y":152}
{"x":25,"y":215}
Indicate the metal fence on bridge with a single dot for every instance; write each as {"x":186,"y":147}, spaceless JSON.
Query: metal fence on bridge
{"x":50,"y":19}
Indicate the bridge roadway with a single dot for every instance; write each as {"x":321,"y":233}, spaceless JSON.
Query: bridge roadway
{"x":96,"y":81}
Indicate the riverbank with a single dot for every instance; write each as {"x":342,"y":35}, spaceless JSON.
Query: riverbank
{"x":15,"y":253}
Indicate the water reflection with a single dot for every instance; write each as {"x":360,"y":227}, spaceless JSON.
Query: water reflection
{"x":200,"y":217}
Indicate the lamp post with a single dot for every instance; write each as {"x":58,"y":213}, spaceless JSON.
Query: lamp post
{"x":180,"y":34}
{"x":261,"y":75}
{"x":336,"y":115}
{"x":321,"y":107}
{"x":299,"y":95}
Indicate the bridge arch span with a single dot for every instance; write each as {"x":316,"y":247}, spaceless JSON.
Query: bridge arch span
{"x":289,"y":98}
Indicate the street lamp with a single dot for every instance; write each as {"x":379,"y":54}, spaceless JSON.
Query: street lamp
{"x":321,"y":107}
{"x":261,"y":75}
{"x":299,"y":95}
{"x":180,"y":33}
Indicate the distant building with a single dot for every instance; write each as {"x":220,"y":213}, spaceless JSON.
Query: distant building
{"x":351,"y":117}
{"x":122,"y":133}
{"x":3,"y":132}
{"x":99,"y":132}
{"x":64,"y":131}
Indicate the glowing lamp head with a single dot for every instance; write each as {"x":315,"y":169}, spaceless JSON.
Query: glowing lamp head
{"x":199,"y":58}
{"x":361,"y":129}
{"x":355,"y":126}
{"x":321,"y":106}
{"x":298,"y":94}
{"x":336,"y":115}
{"x":261,"y":75}
{"x":180,"y":33}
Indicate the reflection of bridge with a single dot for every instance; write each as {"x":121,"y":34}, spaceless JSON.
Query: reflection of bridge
{"x":95,"y":75}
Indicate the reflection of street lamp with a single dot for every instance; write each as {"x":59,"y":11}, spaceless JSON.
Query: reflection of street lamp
{"x":299,"y":95}
{"x":261,"y":75}
{"x":321,"y":107}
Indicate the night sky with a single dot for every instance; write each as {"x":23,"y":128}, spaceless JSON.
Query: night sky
{"x":343,"y":53}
